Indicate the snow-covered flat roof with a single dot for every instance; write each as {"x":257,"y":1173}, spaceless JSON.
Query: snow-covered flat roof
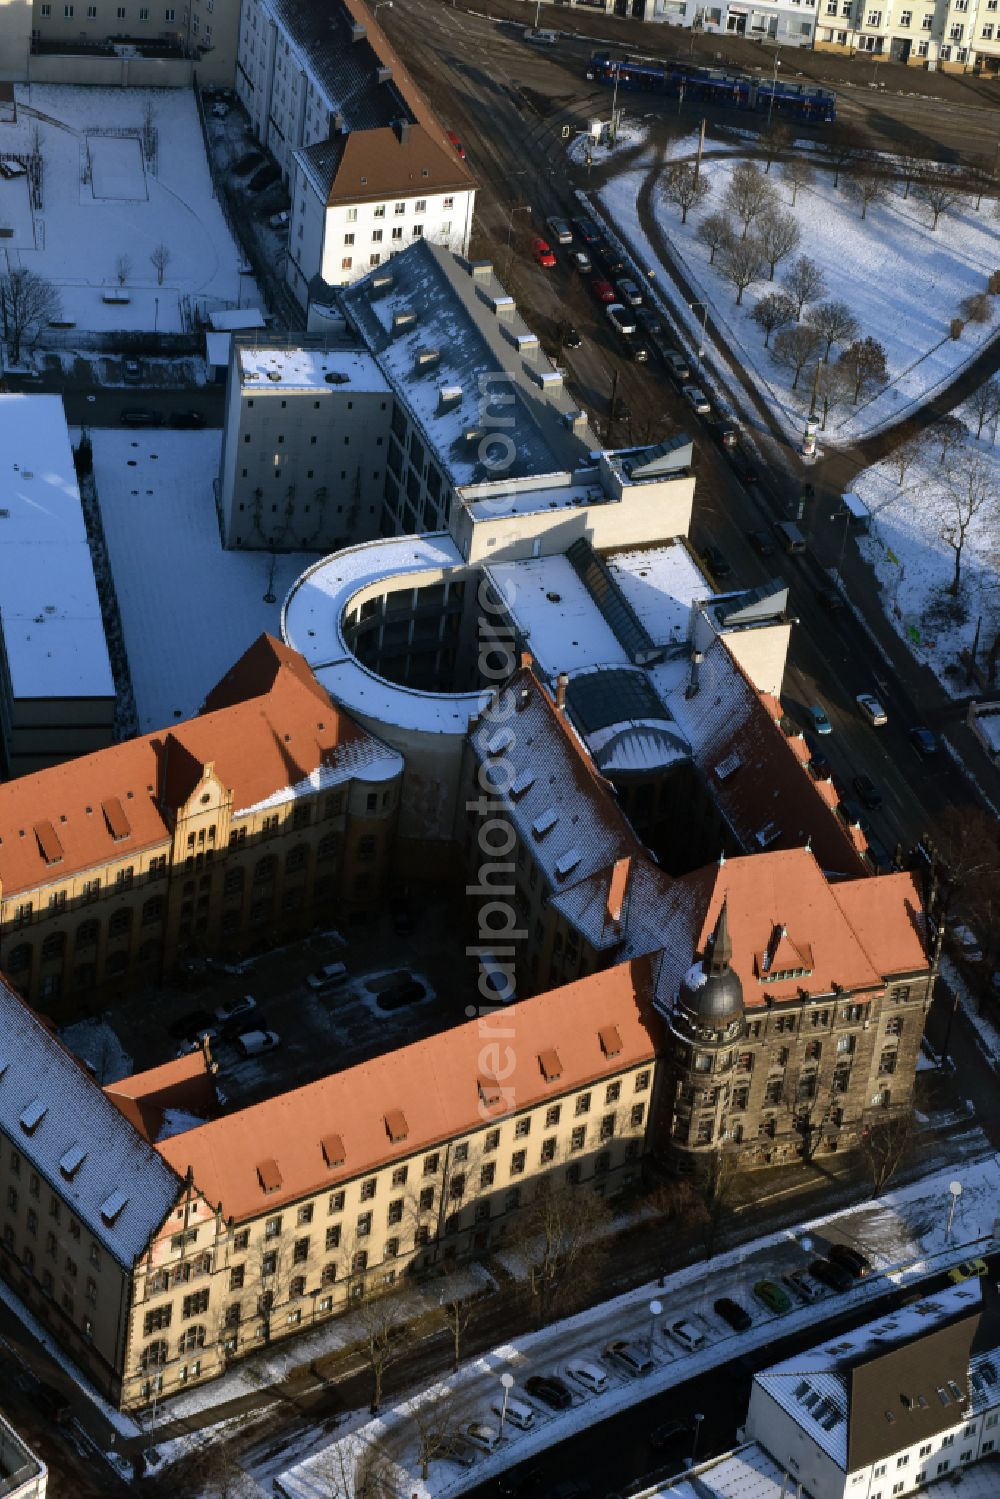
{"x":228,"y":320}
{"x":661,"y":583}
{"x":310,"y":369}
{"x":50,"y":611}
{"x":561,"y":624}
{"x":487,"y":502}
{"x":747,"y":1473}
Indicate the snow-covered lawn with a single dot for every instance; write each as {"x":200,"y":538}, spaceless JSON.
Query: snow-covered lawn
{"x":902,"y":282}
{"x":188,"y":608}
{"x":102,"y":199}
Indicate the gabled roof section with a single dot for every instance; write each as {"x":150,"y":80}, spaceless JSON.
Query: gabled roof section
{"x":437,"y":1086}
{"x":75,"y":1138}
{"x":182,"y":1087}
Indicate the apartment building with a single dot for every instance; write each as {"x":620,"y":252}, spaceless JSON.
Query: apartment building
{"x":368,"y":168}
{"x":235,"y":829}
{"x":791,"y":23}
{"x":22,"y":1474}
{"x":85,"y":43}
{"x":304,"y":447}
{"x":925,"y":33}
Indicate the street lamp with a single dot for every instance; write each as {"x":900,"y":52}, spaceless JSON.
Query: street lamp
{"x":520,"y":208}
{"x":704,"y":322}
{"x":699,"y":1416}
{"x":507,"y":1380}
{"x":774,"y":85}
{"x":845,"y":516}
{"x":655,"y":1308}
{"x":955,"y":1188}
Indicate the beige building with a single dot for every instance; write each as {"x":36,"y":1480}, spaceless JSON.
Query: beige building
{"x":304,"y":446}
{"x":950,"y":34}
{"x":239,"y":828}
{"x":121,"y":44}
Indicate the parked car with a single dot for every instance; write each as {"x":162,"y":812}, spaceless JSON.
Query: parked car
{"x":677,"y":364}
{"x":517,"y":1412}
{"x":716,"y":562}
{"x":481,"y":1435}
{"x":697,"y":399}
{"x":638,"y":351}
{"x":650,"y":322}
{"x":581,"y":261}
{"x":398,"y":996}
{"x":560,"y":230}
{"x":234,"y":1007}
{"x":141,"y":416}
{"x":550,"y":1391}
{"x":820,"y":722}
{"x":831,"y":599}
{"x":924,"y":741}
{"x":730,"y":1311}
{"x":869,"y":793}
{"x":614,"y":266}
{"x":968,"y":1270}
{"x":670,"y":1434}
{"x":453,"y":138}
{"x":800,"y":1284}
{"x":573,"y":339}
{"x":829,"y":1274}
{"x":818,"y":763}
{"x":587,"y":230}
{"x":542,"y":251}
{"x":761,"y":543}
{"x":220,"y":111}
{"x":132,"y":371}
{"x":186,"y":419}
{"x":591,"y":1376}
{"x":620,"y":318}
{"x":266,"y":176}
{"x":603,"y":291}
{"x":853,"y":1260}
{"x":191,"y":1025}
{"x":772,"y":1296}
{"x":458,"y":1450}
{"x":968,"y":944}
{"x":330,"y":976}
{"x":629,"y":1355}
{"x":629,"y":291}
{"x":685,"y":1333}
{"x":280,"y":219}
{"x":253,"y":1043}
{"x":872,"y":709}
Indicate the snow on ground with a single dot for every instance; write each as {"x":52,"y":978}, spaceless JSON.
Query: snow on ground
{"x":905,"y":1234}
{"x":915,"y":565}
{"x":189,"y":609}
{"x":102,"y":199}
{"x":902,"y":281}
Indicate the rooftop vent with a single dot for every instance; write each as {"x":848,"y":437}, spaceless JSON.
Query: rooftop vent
{"x":545,"y":823}
{"x":333,"y":1150}
{"x":117,"y":822}
{"x":568,"y":863}
{"x":396,"y":1126}
{"x":269,"y":1175}
{"x":427,"y":359}
{"x":381,"y":282}
{"x":70,"y":1163}
{"x":359,"y":31}
{"x":500,"y":742}
{"x":403,"y":130}
{"x":449,"y":396}
{"x":550,"y":1064}
{"x":575,"y":420}
{"x":383,"y":75}
{"x":274,"y":376}
{"x":522,"y":783}
{"x":402,"y":322}
{"x":112,"y":1206}
{"x":33,"y":1115}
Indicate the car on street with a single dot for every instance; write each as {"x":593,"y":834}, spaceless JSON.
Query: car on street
{"x":542,"y":251}
{"x":132,"y":371}
{"x":738,"y":1318}
{"x":968,"y":1270}
{"x":234,"y":1007}
{"x":872,"y":709}
{"x":801,"y":1286}
{"x":696,"y":399}
{"x":398,"y":996}
{"x":650,"y":322}
{"x":716,"y":561}
{"x":590,"y":1375}
{"x":603,"y":291}
{"x":550,"y":1391}
{"x":560,"y":229}
{"x":629,"y":291}
{"x":482,"y":1435}
{"x":141,"y":416}
{"x":968,"y":945}
{"x":628,"y":1356}
{"x":830,"y":598}
{"x":191,"y":1025}
{"x":828,"y":1273}
{"x":924,"y":741}
{"x":724,"y":433}
{"x":685,"y":1333}
{"x":280,"y":219}
{"x":638,"y":351}
{"x":818,"y":762}
{"x":253,"y":1043}
{"x":620,"y":318}
{"x":587,"y":230}
{"x":458,"y":1450}
{"x":330,"y":976}
{"x":573,"y":339}
{"x":614,"y":266}
{"x":670,"y":1434}
{"x":581,"y":261}
{"x":772,"y":1296}
{"x":265,"y":177}
{"x":186,"y":419}
{"x":821,"y":724}
{"x":871,"y":796}
{"x":761,"y":543}
{"x":456,"y":142}
{"x":677,"y":364}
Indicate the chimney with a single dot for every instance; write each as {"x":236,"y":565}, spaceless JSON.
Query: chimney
{"x":618,"y":887}
{"x":562,"y":682}
{"x":526,"y":661}
{"x":403,"y":127}
{"x":206,"y":1050}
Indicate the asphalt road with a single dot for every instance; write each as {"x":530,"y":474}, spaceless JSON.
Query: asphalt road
{"x":102,"y":406}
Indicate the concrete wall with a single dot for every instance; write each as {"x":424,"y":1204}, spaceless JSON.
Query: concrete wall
{"x":113,"y":72}
{"x":761,"y":652}
{"x":793,"y":1447}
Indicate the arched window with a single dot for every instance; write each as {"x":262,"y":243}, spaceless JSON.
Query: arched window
{"x":191,"y":1338}
{"x":296,"y":857}
{"x":329,"y":1275}
{"x":154,"y":1355}
{"x":328,"y":848}
{"x":234,"y":881}
{"x":264,"y":869}
{"x":19,"y":958}
{"x":121,"y":922}
{"x":87,"y":933}
{"x":54,"y":945}
{"x":152,"y":911}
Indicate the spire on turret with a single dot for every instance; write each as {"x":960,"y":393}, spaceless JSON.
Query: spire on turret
{"x":720,"y":953}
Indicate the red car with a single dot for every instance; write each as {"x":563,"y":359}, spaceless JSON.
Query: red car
{"x":456,"y":143}
{"x":542,"y":252}
{"x":604,"y":292}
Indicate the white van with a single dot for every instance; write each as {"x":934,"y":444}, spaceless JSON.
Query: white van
{"x":330,"y":976}
{"x":252,"y":1043}
{"x":790,"y":537}
{"x":541,"y":38}
{"x":587,"y":1374}
{"x":518,"y":1413}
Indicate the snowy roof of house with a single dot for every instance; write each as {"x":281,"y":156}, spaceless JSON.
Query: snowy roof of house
{"x":400,"y":1103}
{"x":661,"y":583}
{"x":263,"y":369}
{"x":445,"y":332}
{"x":228,"y":320}
{"x":556,"y":615}
{"x":50,"y":611}
{"x":269,"y":731}
{"x":55,"y":1115}
{"x":881,"y":1388}
{"x":217,"y":347}
{"x":312,"y":622}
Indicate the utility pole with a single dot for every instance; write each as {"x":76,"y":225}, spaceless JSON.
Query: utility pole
{"x":701,"y":147}
{"x":614,"y":403}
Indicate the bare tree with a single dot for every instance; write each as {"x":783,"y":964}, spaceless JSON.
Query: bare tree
{"x":778,"y":235}
{"x":123,"y":268}
{"x":160,"y":256}
{"x":683,"y":186}
{"x":798,"y":173}
{"x":771,"y":311}
{"x":716,"y":1191}
{"x":884,"y":1143}
{"x":836,"y":322}
{"x":971,"y":489}
{"x":981,"y":177}
{"x":382,"y":1337}
{"x":910,"y":451}
{"x":866,"y":186}
{"x":844,"y":150}
{"x":941,"y":193}
{"x":984,"y":403}
{"x":437,"y":1418}
{"x":911,"y":165}
{"x":865,"y":361}
{"x":773,"y":139}
{"x":977,"y":308}
{"x":948,"y":432}
{"x":560,"y":1235}
{"x":27,"y":302}
{"x":715,"y":230}
{"x":748,"y":194}
{"x":740,"y":263}
{"x":804,"y":282}
{"x":833,"y":387}
{"x":795,"y":347}
{"x":455,"y":1311}
{"x":356,"y":1467}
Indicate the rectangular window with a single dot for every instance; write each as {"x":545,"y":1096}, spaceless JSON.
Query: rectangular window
{"x":301,"y":1251}
{"x":583,"y":1104}
{"x":517,"y":1161}
{"x":351,"y":215}
{"x":905,"y":19}
{"x":522,"y":1128}
{"x":578,"y":1138}
{"x":548,"y":1151}
{"x":431,"y":1163}
{"x":333,"y":1237}
{"x":487,"y":1174}
{"x":195,"y":1304}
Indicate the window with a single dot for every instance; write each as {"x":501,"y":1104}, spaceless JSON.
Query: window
{"x":156,"y":1320}
{"x":641,"y":1082}
{"x":614,"y":1092}
{"x":236,"y":1277}
{"x":305,"y":1214}
{"x":399,"y":1176}
{"x":874,"y":18}
{"x":552,"y":1116}
{"x":583,"y":1104}
{"x":578,"y":1138}
{"x":143,"y":13}
{"x":637,"y":1115}
{"x":426,"y":1199}
{"x":548,"y":1151}
{"x":522,"y":1128}
{"x":517,"y":1161}
{"x":376,"y":236}
{"x":487,"y":1174}
{"x":607,"y":1128}
{"x":345,"y":265}
{"x":905,"y":19}
{"x":333,"y":1237}
{"x":68,"y":12}
{"x":195,"y":1304}
{"x":300,"y":1252}
{"x":364,"y":1225}
{"x":272,"y":1228}
{"x":368,"y":1189}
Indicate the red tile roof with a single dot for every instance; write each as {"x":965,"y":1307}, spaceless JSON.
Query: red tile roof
{"x":335,"y":1129}
{"x":183,"y":1084}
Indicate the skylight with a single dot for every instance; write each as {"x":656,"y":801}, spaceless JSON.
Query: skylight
{"x":545,"y":823}
{"x":33,"y":1115}
{"x":111,"y":1206}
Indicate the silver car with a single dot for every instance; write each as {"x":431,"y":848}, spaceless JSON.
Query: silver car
{"x":697,"y":398}
{"x":560,"y":230}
